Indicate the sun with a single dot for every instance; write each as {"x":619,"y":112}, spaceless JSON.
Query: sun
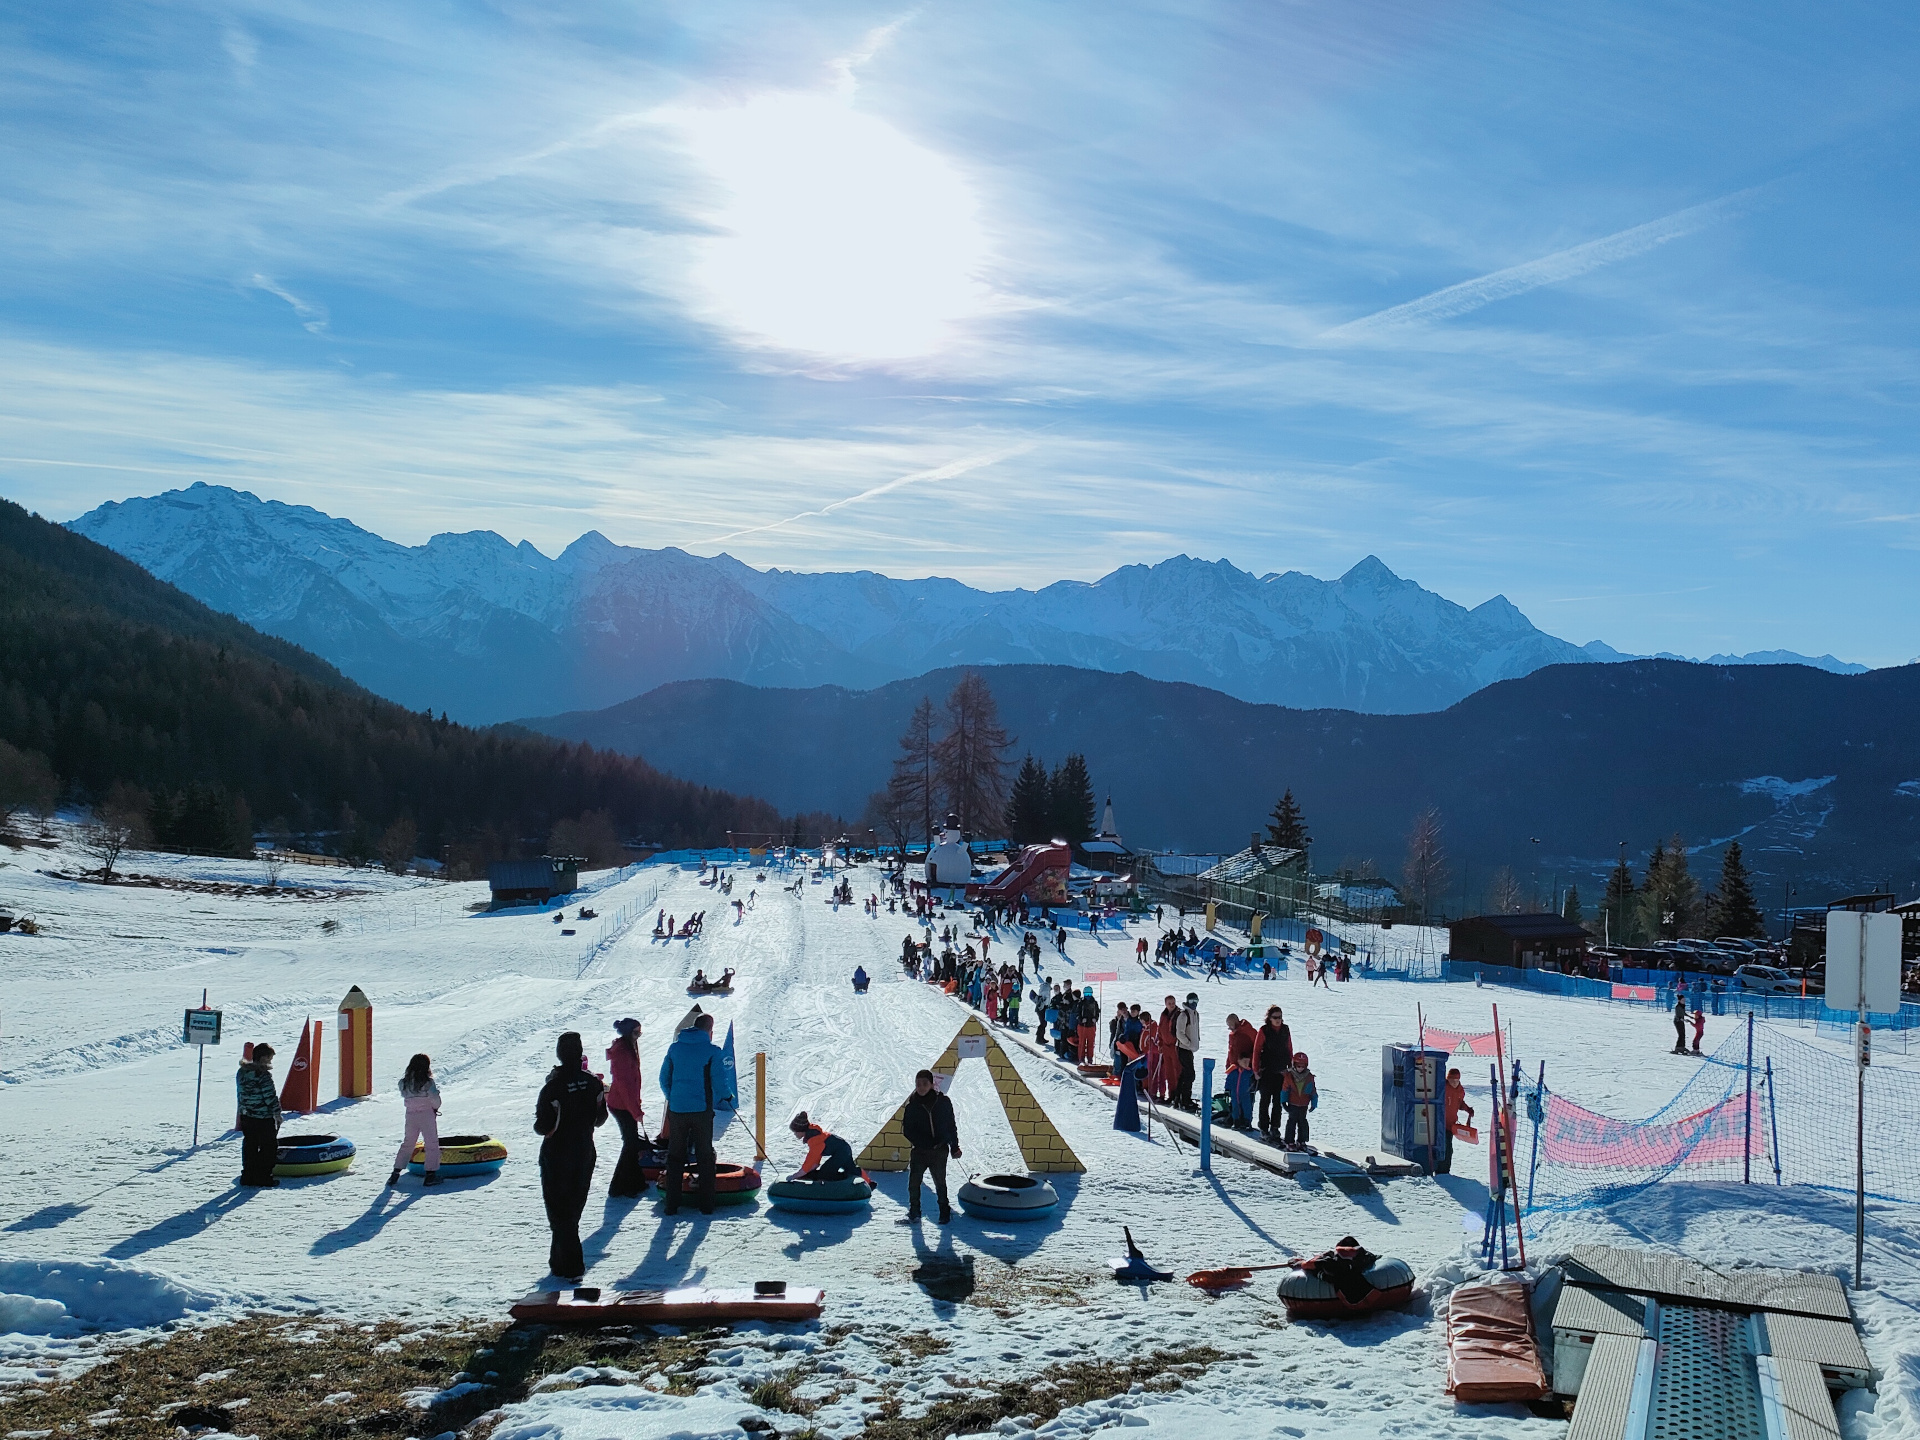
{"x":836,"y":234}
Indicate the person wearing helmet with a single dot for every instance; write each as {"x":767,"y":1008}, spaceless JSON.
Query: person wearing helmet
{"x":1299,"y":1094}
{"x":1087,"y":1012}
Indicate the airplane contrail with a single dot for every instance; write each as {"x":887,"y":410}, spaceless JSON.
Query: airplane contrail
{"x":1550,"y":269}
{"x":948,"y":471}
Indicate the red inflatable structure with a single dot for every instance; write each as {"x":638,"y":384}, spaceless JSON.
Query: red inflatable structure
{"x":1040,"y":874}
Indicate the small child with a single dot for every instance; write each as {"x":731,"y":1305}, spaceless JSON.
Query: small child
{"x":1298,"y":1094}
{"x":422,"y":1100}
{"x":1699,"y":1025}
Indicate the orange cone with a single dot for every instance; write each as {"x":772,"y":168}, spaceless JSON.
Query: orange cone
{"x":300,"y":1095}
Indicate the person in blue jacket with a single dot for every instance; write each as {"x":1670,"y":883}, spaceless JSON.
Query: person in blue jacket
{"x":693,"y":1078}
{"x":860,"y":981}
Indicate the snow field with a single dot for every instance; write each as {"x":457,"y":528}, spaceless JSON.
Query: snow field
{"x":96,"y":1102}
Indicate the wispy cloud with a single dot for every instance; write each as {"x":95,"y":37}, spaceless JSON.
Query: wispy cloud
{"x":1563,"y":265}
{"x":313,"y":317}
{"x":952,"y":470}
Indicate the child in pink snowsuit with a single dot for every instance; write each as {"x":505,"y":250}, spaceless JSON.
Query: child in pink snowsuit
{"x":422,"y":1099}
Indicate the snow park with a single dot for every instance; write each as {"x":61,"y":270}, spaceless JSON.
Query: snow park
{"x":1599,"y":1233}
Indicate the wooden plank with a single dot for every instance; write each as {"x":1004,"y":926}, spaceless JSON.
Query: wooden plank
{"x":1607,"y":1392}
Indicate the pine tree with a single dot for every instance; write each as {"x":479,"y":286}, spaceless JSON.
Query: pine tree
{"x":1617,"y":905}
{"x":1287,"y":826}
{"x":1030,"y":805}
{"x":1733,"y":912}
{"x":915,"y":769}
{"x":970,"y":760}
{"x":1670,"y":897}
{"x":1570,"y":911}
{"x":1073,"y":804}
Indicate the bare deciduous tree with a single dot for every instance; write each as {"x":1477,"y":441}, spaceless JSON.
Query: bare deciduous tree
{"x":115,"y":830}
{"x":1425,"y":873}
{"x":396,"y":844}
{"x":26,"y":783}
{"x":273,"y":862}
{"x":1503,"y":892}
{"x":915,"y":769}
{"x":972,"y":756}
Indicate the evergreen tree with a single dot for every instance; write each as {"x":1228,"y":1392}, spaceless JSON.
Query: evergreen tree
{"x":1570,"y":911}
{"x":1286,"y":825}
{"x":970,"y":760}
{"x":1733,"y":912}
{"x":1670,"y":897}
{"x":1030,"y":805}
{"x":914,"y":783}
{"x":1073,"y":804}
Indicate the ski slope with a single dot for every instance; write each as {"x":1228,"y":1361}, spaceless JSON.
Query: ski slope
{"x":110,"y":1220}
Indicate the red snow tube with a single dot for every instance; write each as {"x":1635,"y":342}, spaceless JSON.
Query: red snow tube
{"x":1308,"y":1297}
{"x":727,"y":1179}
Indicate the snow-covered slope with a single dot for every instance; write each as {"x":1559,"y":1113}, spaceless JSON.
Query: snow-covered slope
{"x":488,"y":631}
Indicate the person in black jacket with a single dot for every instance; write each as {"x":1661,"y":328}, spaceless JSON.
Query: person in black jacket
{"x":932,"y":1136}
{"x":572,"y":1105}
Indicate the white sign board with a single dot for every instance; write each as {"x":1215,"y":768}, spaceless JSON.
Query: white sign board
{"x":201,"y":1027}
{"x":1850,"y":935}
{"x":972,"y":1047}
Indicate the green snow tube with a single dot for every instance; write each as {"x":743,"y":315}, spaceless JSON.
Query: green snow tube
{"x":821,"y":1197}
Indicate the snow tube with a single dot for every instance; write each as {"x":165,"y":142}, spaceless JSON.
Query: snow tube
{"x":821,"y":1197}
{"x":1308,"y":1297}
{"x":461,"y":1155}
{"x":312,"y":1155}
{"x":732,"y":1184}
{"x":1008,"y":1197}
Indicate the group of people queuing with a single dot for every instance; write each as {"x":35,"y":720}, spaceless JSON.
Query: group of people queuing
{"x":690,"y":927}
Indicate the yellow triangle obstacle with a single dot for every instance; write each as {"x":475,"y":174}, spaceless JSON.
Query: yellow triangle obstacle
{"x":1041,"y":1146}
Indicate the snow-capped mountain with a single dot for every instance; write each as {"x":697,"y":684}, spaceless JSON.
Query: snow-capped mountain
{"x":487,"y":630}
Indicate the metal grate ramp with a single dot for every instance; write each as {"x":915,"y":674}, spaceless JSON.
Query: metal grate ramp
{"x":1705,"y":1386}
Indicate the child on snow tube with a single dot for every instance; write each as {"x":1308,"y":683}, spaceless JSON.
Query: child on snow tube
{"x":829,"y":1157}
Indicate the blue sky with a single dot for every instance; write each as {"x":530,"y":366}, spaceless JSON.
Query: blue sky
{"x":1611,"y":309}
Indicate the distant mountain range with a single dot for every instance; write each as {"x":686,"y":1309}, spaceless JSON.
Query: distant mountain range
{"x":487,"y":631}
{"x":1817,"y":774}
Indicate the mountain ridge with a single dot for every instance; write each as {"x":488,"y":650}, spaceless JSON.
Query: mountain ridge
{"x":488,"y":630}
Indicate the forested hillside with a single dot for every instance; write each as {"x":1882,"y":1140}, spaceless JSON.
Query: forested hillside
{"x":132,"y":690}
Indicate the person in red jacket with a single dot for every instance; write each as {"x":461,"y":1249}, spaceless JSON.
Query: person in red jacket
{"x":1272,"y":1054}
{"x":623,"y":1102}
{"x":1241,"y":1039}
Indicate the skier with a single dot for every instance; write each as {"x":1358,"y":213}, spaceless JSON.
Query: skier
{"x":1679,"y":1022}
{"x":420,"y":1098}
{"x":1241,"y":1040}
{"x":258,"y":1102}
{"x":1299,"y":1094}
{"x":1699,"y":1025}
{"x":571,"y":1106}
{"x":1088,"y":1015}
{"x":693,"y":1077}
{"x":932,"y":1136}
{"x":828,"y":1156}
{"x":623,"y":1100}
{"x":1272,"y":1054}
{"x":1186,"y":1040}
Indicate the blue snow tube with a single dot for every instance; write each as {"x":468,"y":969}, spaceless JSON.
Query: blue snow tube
{"x":301,"y":1155}
{"x":821,"y":1197}
{"x":1008,"y":1197}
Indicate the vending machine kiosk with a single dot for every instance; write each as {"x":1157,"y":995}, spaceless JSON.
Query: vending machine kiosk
{"x":1413,"y":1091}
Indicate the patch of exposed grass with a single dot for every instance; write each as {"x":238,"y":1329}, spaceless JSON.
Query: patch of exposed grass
{"x":1043,"y":1396}
{"x":778,"y":1395}
{"x":272,"y":1377}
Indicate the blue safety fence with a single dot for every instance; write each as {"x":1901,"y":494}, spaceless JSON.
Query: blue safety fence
{"x":1770,"y":1111}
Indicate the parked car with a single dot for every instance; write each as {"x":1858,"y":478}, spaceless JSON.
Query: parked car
{"x":1766,"y":980}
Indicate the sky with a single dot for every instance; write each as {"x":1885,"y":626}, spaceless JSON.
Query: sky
{"x":1610,"y":309}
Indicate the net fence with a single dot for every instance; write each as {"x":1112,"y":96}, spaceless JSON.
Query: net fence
{"x":1786,"y":1119}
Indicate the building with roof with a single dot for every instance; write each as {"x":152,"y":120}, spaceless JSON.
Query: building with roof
{"x":1538,"y":941}
{"x":533,"y":882}
{"x":1106,"y":851}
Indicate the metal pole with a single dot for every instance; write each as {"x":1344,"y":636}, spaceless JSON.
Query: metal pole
{"x":1206,"y":1114}
{"x":1773,"y":1122}
{"x":1746,"y":1134}
{"x":200,"y":1075}
{"x":1533,"y":1163}
{"x":760,"y":1105}
{"x":1860,"y":1113}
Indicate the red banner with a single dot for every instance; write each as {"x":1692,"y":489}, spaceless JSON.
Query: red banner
{"x":1570,"y":1135}
{"x":1481,"y":1046}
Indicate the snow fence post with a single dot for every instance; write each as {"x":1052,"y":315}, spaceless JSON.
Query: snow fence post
{"x":1746,"y":1137}
{"x":1206,"y":1115}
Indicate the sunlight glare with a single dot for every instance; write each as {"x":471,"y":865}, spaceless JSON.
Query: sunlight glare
{"x":840,"y":235}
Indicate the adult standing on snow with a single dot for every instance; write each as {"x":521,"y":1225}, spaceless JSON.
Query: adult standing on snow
{"x":1272,"y":1054}
{"x":623,"y":1101}
{"x":1087,"y":1013}
{"x":1241,"y":1038}
{"x":932,"y":1136}
{"x":420,"y":1097}
{"x":1679,"y":1021}
{"x":693,"y":1077}
{"x":1186,"y":1040}
{"x":572,"y":1105}
{"x":257,"y":1100}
